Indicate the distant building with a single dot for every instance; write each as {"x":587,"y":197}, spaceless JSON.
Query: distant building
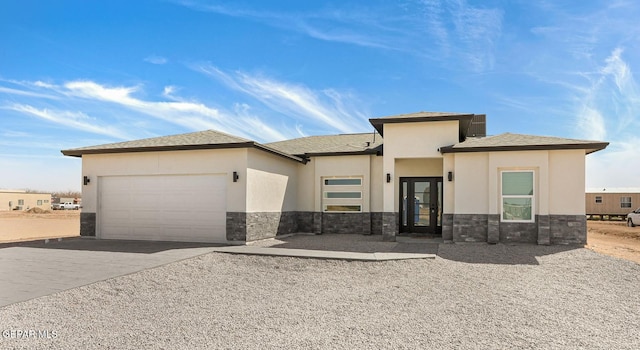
{"x":21,"y":200}
{"x":612,"y":201}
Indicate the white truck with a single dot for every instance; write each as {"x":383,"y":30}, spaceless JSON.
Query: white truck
{"x":633,"y":218}
{"x":69,"y":205}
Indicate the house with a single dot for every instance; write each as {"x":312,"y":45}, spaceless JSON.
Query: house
{"x":424,"y":173}
{"x":612,"y":201}
{"x":22,"y":200}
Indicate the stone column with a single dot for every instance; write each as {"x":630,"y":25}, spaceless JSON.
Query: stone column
{"x":389,"y":226}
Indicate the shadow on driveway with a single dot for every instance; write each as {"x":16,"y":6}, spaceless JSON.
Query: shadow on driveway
{"x":99,"y":245}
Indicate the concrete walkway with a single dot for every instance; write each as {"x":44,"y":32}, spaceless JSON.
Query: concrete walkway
{"x":322,"y":254}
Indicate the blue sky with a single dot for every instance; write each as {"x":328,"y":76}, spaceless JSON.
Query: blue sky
{"x":80,"y":73}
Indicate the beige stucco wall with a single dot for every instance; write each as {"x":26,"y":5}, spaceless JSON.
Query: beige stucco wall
{"x":559,"y":181}
{"x":410,"y":141}
{"x":378,"y":179}
{"x":271,"y":182}
{"x":327,"y":166}
{"x":222,"y":161}
{"x":30,"y":200}
{"x":306,"y":186}
{"x":567,"y":182}
{"x":471,"y":182}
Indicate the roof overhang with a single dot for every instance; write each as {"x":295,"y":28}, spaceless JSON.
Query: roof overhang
{"x":463,"y":119}
{"x":79,"y":152}
{"x":588,"y":148}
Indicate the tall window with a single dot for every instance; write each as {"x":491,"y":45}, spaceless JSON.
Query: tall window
{"x":517,"y":196}
{"x":625,"y":202}
{"x":342,"y":194}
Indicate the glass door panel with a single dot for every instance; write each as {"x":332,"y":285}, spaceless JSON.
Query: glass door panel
{"x":421,"y":205}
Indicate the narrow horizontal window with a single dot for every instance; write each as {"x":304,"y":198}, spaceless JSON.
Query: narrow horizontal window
{"x":355,"y":195}
{"x":343,"y":208}
{"x":343,"y":182}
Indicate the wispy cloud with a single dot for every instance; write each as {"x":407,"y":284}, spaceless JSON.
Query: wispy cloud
{"x":326,"y":108}
{"x":155,"y":59}
{"x":75,"y":120}
{"x":125,"y":109}
{"x":443,"y":30}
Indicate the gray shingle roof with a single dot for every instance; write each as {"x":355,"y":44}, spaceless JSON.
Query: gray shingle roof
{"x":209,"y":139}
{"x":515,"y":142}
{"x":330,"y":144}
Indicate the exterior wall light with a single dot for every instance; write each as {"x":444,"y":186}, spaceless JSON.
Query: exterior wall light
{"x":86,"y":180}
{"x":235,"y":176}
{"x":450,"y":176}
{"x":388,"y":177}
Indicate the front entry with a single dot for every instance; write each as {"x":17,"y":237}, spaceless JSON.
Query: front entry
{"x":421,"y":205}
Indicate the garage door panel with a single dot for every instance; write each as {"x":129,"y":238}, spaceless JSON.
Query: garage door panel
{"x":163,"y":207}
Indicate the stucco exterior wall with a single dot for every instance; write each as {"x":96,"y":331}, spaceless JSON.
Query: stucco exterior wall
{"x":471,"y":182}
{"x":413,"y":140}
{"x":358,"y":165}
{"x":223,"y":161}
{"x":567,"y":182}
{"x":378,"y":179}
{"x":271,"y":183}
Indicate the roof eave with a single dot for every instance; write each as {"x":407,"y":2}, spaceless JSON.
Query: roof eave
{"x":352,"y":153}
{"x":589,"y":148}
{"x":251,"y":144}
{"x":463,"y":119}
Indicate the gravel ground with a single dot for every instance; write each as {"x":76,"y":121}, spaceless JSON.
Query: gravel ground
{"x":472,"y":296}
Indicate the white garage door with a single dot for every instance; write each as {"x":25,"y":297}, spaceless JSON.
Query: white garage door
{"x":189,"y":208}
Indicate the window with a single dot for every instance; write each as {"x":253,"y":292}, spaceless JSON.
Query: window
{"x":343,"y":182}
{"x":341,"y":208}
{"x":517,"y":196}
{"x":342,"y":194}
{"x":625,"y":202}
{"x":598,"y":199}
{"x":20,"y":201}
{"x":39,"y":202}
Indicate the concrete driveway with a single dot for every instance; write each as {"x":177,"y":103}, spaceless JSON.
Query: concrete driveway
{"x":33,"y":269}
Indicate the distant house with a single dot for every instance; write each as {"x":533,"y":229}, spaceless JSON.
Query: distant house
{"x":21,"y":200}
{"x":426,"y":173}
{"x":612,"y":201}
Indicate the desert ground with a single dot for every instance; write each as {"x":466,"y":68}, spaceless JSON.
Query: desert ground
{"x":612,"y":238}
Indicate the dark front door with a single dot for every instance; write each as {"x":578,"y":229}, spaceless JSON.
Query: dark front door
{"x":421,"y":205}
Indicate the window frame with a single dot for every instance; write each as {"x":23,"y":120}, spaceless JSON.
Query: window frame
{"x":531,"y":196}
{"x":327,"y":188}
{"x":626,"y":204}
{"x":598,"y":199}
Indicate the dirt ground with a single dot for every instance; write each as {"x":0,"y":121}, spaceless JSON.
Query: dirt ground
{"x":612,"y":238}
{"x":18,"y":226}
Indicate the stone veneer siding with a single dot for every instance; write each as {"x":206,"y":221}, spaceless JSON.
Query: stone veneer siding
{"x":236,"y":226}
{"x":390,"y":227}
{"x":447,"y":227}
{"x":547,"y":229}
{"x":346,"y":223}
{"x":519,"y":232}
{"x":376,"y":223}
{"x":87,"y":224}
{"x":470,"y":227}
{"x":568,"y":229}
{"x":254,"y":226}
